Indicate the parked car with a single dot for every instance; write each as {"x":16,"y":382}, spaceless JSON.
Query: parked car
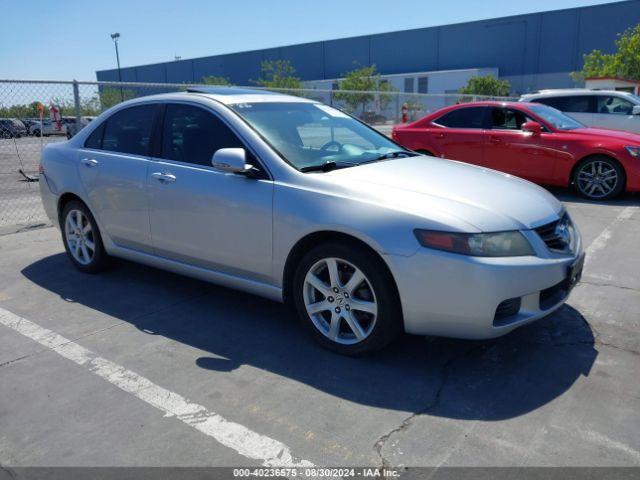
{"x":532,"y":141}
{"x":372,"y":117}
{"x":72,"y":126}
{"x":299,"y":202}
{"x":594,"y":108}
{"x":49,"y":128}
{"x":12,"y":128}
{"x":30,"y":124}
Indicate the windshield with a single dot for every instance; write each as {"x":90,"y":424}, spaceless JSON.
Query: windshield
{"x":555,"y":117}
{"x":309,"y":135}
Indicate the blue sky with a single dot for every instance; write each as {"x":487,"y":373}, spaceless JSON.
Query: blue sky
{"x":66,"y":39}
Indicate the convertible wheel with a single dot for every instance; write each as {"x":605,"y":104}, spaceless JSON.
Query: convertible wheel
{"x":347,"y":299}
{"x":82,"y":239}
{"x":599,"y":178}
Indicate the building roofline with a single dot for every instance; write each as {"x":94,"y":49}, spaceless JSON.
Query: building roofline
{"x":507,"y":18}
{"x":634,"y":82}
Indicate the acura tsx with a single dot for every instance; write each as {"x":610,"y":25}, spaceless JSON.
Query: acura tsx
{"x":299,"y":202}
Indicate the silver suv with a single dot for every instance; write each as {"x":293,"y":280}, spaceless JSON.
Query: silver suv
{"x":594,"y":108}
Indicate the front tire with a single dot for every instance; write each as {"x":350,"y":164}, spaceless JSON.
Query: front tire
{"x":599,"y":178}
{"x":347,"y":299}
{"x":81,"y":238}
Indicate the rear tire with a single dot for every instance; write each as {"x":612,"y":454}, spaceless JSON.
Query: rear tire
{"x":81,"y":238}
{"x":347,"y":299}
{"x":599,"y":178}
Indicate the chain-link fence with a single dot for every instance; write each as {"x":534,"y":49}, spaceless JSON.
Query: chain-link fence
{"x":34,"y":114}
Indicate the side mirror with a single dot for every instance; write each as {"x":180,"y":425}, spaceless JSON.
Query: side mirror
{"x":230,"y":160}
{"x":532,"y":127}
{"x":635,"y":110}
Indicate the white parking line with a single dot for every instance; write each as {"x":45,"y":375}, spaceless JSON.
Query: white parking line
{"x":246,"y":442}
{"x":601,"y":240}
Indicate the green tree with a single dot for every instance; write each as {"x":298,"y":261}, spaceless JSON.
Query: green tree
{"x":488,"y":85}
{"x":213,"y":80}
{"x":278,"y":74}
{"x":624,"y":63}
{"x":360,"y":87}
{"x":112,"y":96}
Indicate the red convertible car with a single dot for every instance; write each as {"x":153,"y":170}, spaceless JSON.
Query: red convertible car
{"x":532,"y":141}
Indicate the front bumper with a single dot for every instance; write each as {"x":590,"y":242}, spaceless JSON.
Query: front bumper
{"x":457,"y":296}
{"x":632,"y":169}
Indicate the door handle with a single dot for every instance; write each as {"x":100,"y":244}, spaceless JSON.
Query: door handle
{"x":89,"y":162}
{"x":495,"y":140}
{"x":164,"y":177}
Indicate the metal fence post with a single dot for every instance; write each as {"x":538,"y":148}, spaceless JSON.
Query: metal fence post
{"x":76,"y":102}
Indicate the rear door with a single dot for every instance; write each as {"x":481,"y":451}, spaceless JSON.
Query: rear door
{"x":616,"y":112}
{"x":459,"y":134}
{"x":511,"y":150}
{"x":200,"y":215}
{"x":113,"y":167}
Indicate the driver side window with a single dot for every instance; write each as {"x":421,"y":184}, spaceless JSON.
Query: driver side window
{"x":191,"y":135}
{"x":507,"y":119}
{"x":614,"y":105}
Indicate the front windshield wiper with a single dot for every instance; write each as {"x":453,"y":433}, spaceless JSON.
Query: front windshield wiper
{"x":326,"y":166}
{"x":386,"y":156}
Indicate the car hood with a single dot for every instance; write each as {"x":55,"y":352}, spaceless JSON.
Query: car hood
{"x":629,"y":138}
{"x":449,"y":194}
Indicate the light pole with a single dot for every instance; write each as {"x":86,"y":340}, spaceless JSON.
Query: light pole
{"x":115,"y":37}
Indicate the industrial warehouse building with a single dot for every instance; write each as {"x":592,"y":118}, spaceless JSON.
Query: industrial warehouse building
{"x":531,"y":51}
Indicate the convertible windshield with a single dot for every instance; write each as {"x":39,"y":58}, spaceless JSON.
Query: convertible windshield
{"x":315,"y":137}
{"x":556,"y":118}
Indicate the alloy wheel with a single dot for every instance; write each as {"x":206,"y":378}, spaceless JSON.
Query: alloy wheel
{"x":597,"y":179}
{"x":340,"y":301}
{"x":80,"y":237}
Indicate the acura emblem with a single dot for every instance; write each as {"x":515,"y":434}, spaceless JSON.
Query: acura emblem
{"x":563,"y":231}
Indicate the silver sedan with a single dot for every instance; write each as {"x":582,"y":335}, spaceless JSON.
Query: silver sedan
{"x":299,"y":202}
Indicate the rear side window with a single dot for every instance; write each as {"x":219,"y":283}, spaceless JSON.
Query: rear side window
{"x":129,"y":130}
{"x":614,"y":105}
{"x":470,"y":117}
{"x":94,"y":140}
{"x":192,"y":135}
{"x":573,"y":103}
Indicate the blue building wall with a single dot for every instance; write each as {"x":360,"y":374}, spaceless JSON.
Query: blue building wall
{"x":532,"y":51}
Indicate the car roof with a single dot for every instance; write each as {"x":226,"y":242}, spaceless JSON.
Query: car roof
{"x":572,"y":92}
{"x":225,"y":95}
{"x":486,"y":103}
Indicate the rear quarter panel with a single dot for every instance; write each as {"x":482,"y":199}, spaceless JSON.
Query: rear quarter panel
{"x":59,"y":162}
{"x":417,"y":138}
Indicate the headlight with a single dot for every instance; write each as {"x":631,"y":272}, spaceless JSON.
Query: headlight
{"x":499,"y":244}
{"x":634,"y":151}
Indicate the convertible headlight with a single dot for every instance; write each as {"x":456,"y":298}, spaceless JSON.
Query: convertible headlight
{"x":499,"y":244}
{"x":634,"y":151}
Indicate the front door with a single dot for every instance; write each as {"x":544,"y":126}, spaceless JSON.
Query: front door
{"x":616,"y":113}
{"x":510,"y":150}
{"x":202,"y":216}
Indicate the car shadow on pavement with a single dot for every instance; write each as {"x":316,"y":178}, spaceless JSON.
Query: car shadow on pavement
{"x":484,"y":380}
{"x":570,"y":195}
